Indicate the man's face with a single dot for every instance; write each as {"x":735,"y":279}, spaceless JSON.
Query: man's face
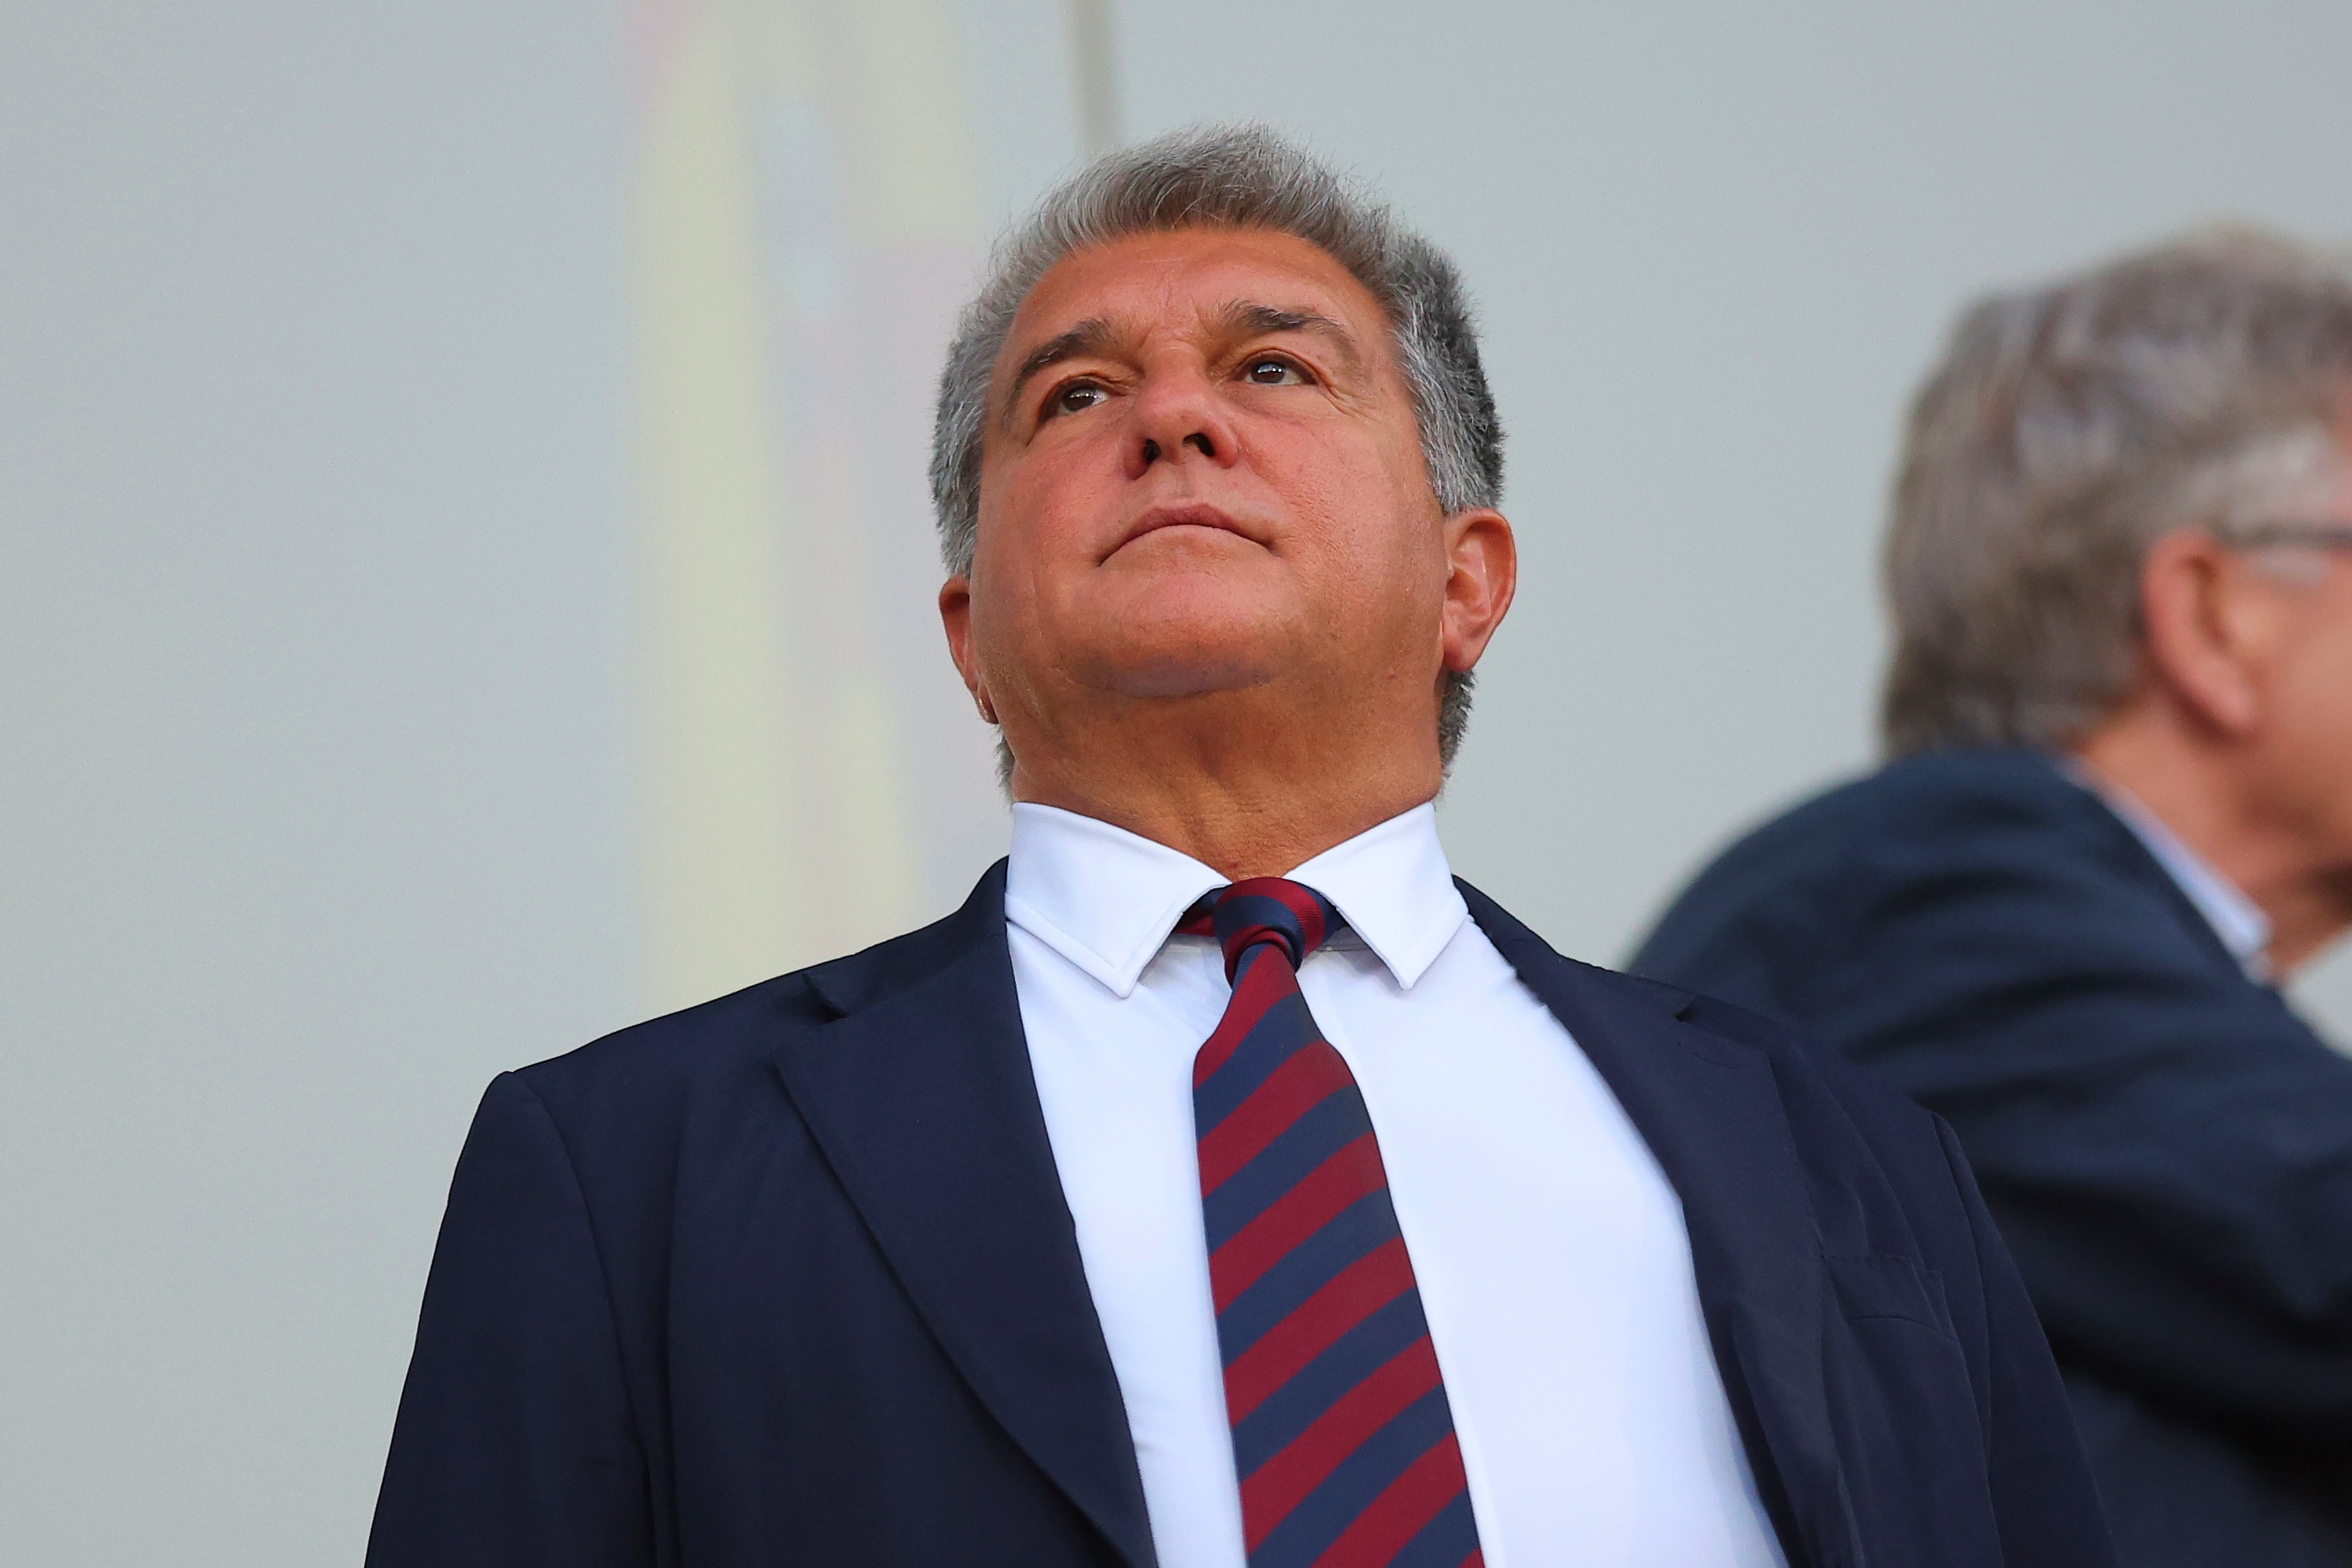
{"x":1201,"y":474}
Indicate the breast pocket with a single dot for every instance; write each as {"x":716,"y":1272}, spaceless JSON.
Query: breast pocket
{"x":1910,"y":1437}
{"x":1889,"y":1285}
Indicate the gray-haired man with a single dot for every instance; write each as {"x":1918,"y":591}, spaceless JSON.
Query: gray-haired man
{"x":1223,"y":1183}
{"x":2121,"y":702}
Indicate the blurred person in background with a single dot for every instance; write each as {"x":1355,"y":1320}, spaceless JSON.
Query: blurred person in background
{"x":2118,"y":811}
{"x":1225,"y":1182}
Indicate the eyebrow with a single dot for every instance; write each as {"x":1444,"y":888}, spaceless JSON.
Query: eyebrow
{"x":1245,"y":319}
{"x":1089,"y":337}
{"x":1240,"y":318}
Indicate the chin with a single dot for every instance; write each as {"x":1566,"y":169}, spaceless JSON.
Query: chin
{"x":1187,"y":635}
{"x":1184,"y":660}
{"x":1185,"y":677}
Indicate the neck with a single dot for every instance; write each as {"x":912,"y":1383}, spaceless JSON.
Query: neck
{"x":2199,"y":784}
{"x":1247,"y":798}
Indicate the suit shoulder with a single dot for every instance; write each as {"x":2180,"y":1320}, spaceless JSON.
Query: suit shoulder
{"x":691,"y":1040}
{"x":1984,"y":819}
{"x":1939,"y":798}
{"x":1800,"y":1062}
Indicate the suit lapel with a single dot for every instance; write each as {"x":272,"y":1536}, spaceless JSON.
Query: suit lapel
{"x":921,"y":1096}
{"x":1711,"y":1113}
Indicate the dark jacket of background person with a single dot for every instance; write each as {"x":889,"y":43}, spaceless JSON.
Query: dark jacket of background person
{"x":2165,"y":1145}
{"x":789,"y":1279}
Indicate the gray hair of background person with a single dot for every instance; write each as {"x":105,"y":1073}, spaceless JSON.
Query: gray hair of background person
{"x":1236,"y":177}
{"x":2196,"y":385}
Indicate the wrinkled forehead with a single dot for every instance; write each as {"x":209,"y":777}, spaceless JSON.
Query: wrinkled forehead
{"x":1191,"y":282}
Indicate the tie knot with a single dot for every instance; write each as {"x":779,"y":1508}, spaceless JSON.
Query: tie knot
{"x":1265,"y":910}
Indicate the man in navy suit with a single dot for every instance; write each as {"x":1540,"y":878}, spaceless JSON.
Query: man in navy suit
{"x":1224,"y":1183}
{"x":2121,"y":705}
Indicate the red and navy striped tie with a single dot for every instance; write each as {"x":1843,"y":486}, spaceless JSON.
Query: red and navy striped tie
{"x":1342,"y":1436}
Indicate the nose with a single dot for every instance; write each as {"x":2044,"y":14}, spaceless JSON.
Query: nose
{"x":1179,"y":417}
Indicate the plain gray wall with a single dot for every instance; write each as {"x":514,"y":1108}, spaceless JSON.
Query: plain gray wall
{"x":313,"y":754}
{"x":312,"y":808}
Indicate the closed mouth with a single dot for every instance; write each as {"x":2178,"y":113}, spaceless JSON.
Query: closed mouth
{"x":1191,"y":515}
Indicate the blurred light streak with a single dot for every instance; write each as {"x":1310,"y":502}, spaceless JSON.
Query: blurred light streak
{"x":1094,"y":67}
{"x":808,"y":214}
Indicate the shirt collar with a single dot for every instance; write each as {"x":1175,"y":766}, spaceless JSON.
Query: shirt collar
{"x":1106,"y":899}
{"x":2236,"y":919}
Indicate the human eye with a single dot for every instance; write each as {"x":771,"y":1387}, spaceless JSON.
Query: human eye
{"x":1073,"y":397}
{"x":1273,"y":371}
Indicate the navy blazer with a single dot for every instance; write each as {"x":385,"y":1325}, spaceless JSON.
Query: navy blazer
{"x":788,"y":1279}
{"x":2168,"y":1148}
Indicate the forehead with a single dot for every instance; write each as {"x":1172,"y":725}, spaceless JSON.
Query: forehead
{"x":1176,"y":279}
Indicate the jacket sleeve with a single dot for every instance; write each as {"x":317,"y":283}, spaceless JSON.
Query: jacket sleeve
{"x":2168,"y":1148}
{"x":2043,"y":1498}
{"x":514,"y":1444}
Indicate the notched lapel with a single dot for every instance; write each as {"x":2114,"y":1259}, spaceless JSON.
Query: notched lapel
{"x":1711,"y":1113}
{"x":922,"y":1099}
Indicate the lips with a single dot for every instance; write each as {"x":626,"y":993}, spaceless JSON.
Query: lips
{"x":1188,"y":515}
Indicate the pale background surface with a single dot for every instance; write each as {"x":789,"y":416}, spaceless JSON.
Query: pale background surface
{"x":464,"y":582}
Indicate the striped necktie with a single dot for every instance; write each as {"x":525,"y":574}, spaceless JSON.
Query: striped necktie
{"x":1342,"y":1436}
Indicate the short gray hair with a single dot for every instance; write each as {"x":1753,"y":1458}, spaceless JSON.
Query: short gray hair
{"x":1236,"y":177}
{"x":2069,"y":427}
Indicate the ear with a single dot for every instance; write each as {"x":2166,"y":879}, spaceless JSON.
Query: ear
{"x":955,"y":616}
{"x":1482,"y":573}
{"x":2211,"y":624}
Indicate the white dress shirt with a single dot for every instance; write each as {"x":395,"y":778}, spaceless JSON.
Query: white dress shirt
{"x":1554,"y":1268}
